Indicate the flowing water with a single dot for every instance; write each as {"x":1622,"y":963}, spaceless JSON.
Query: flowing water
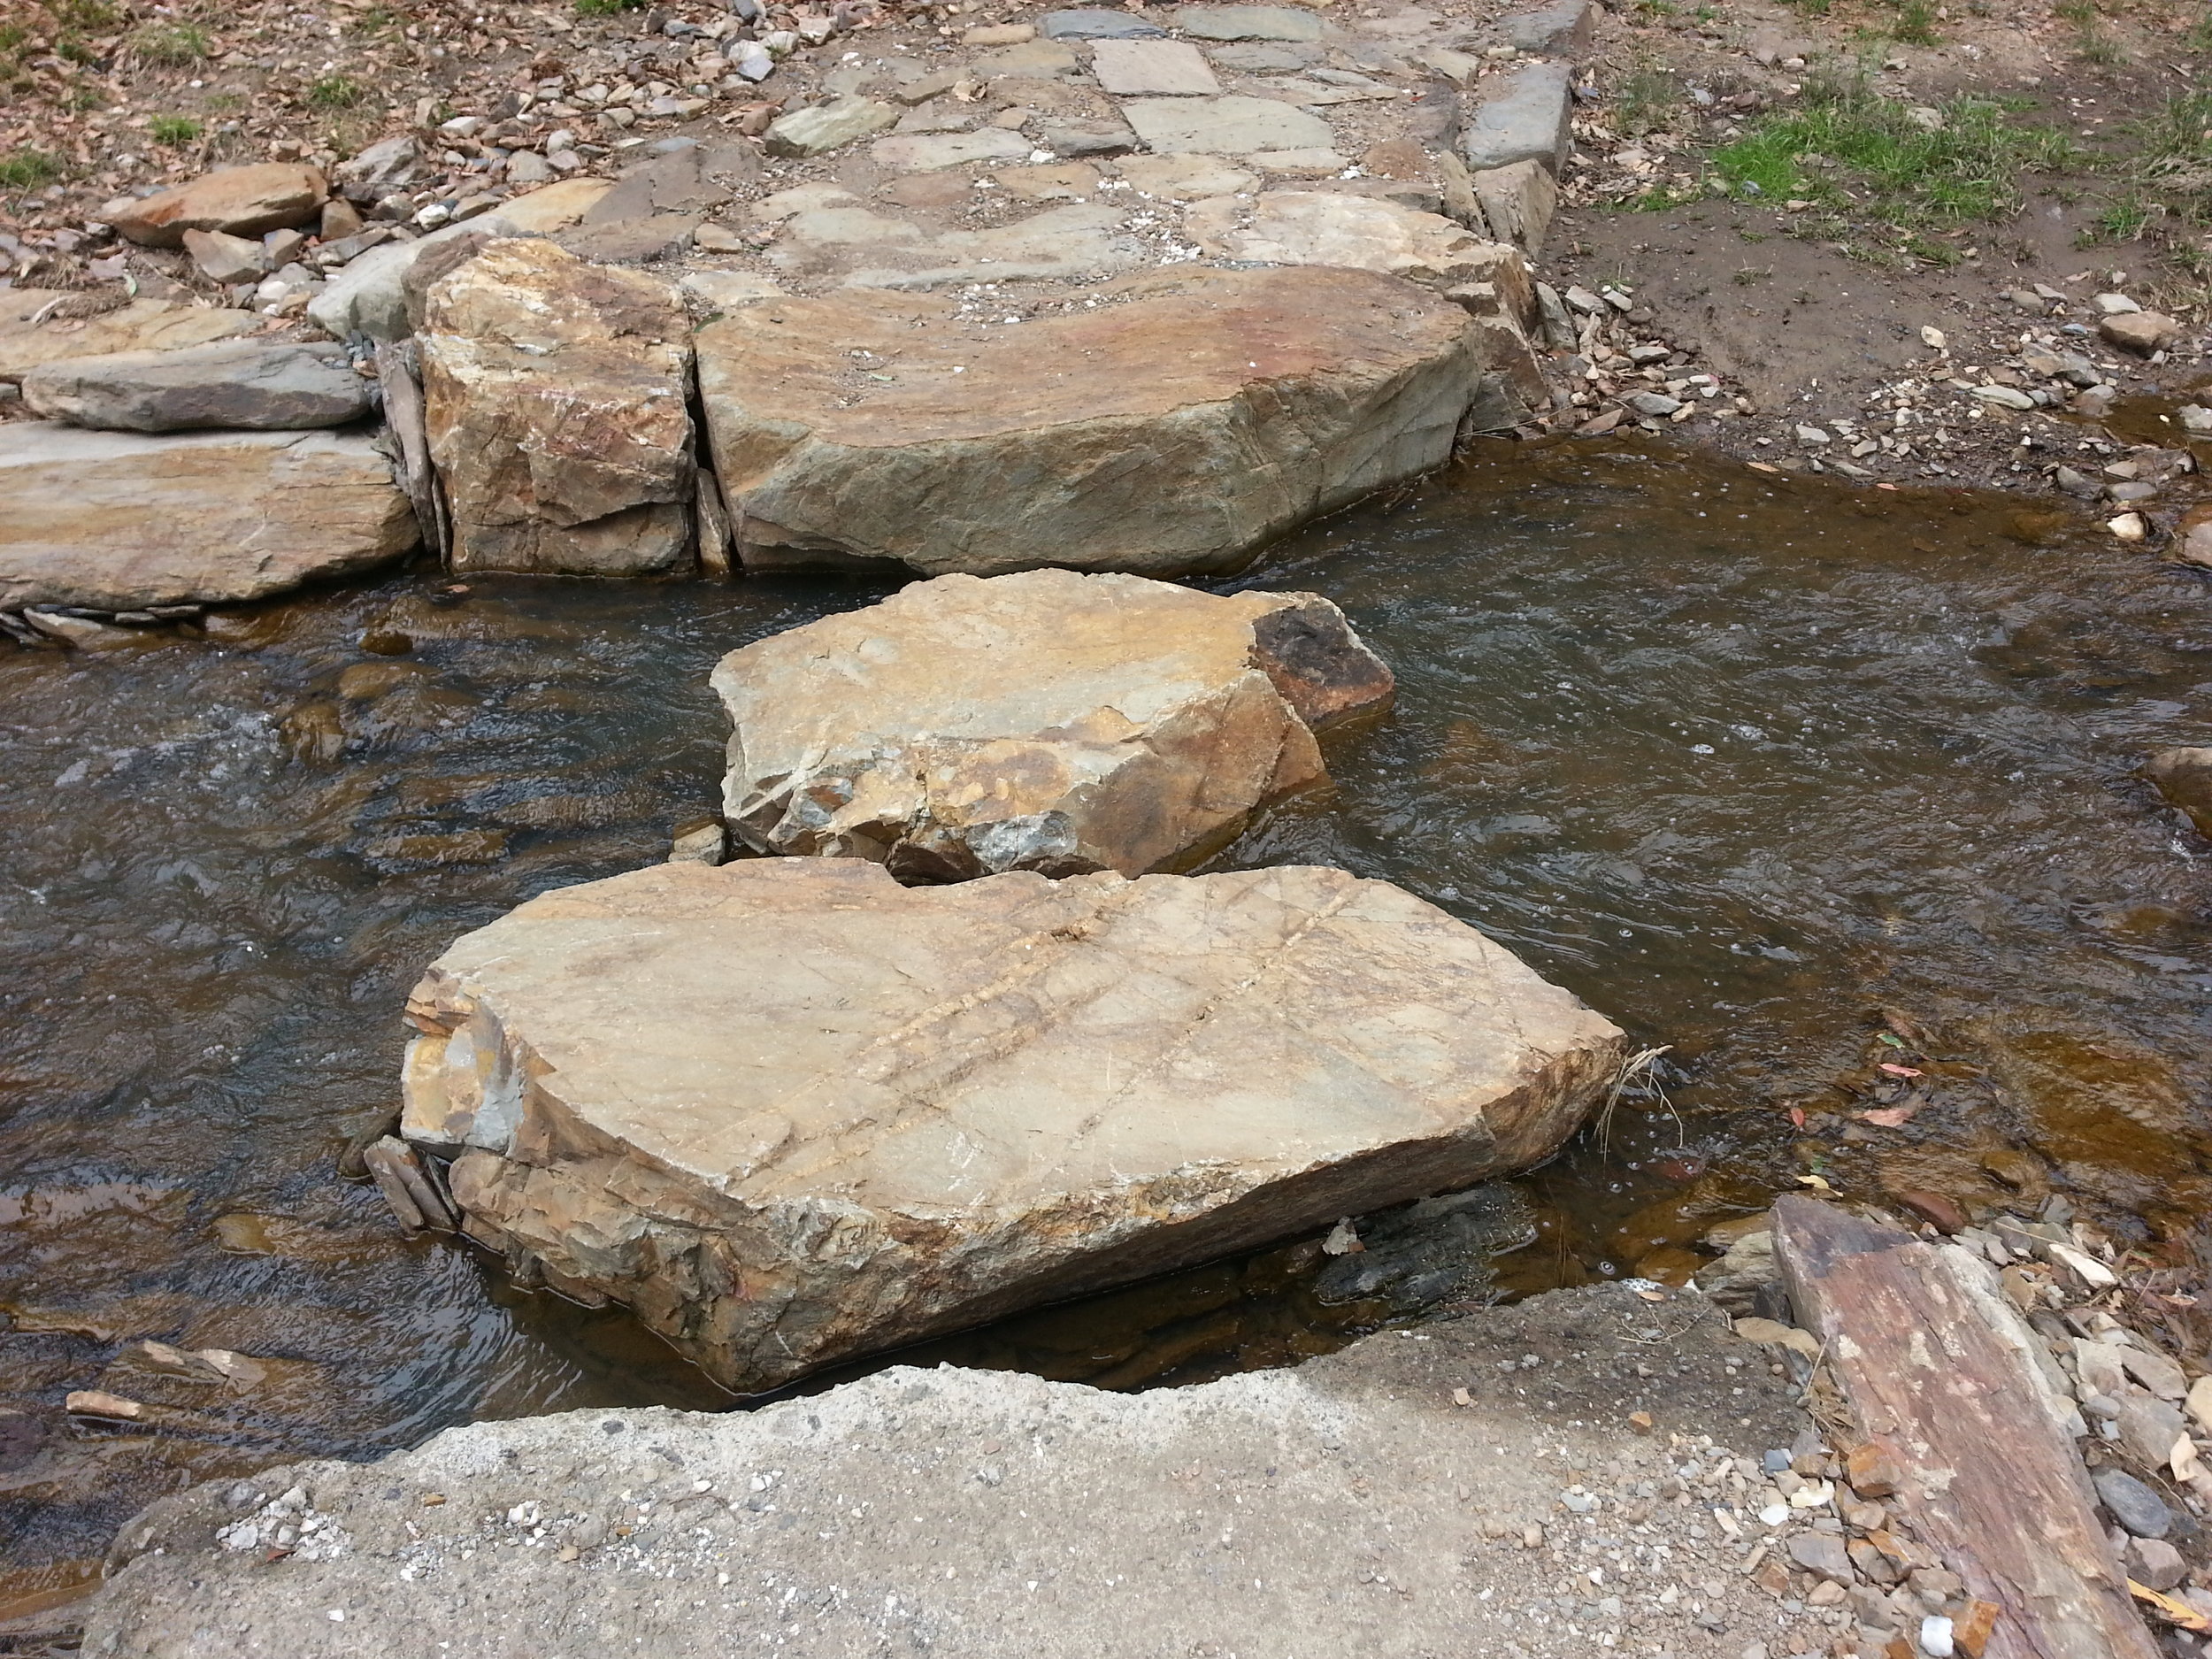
{"x":1790,"y":780}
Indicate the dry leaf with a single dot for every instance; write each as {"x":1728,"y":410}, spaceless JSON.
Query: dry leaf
{"x":1652,"y":1296}
{"x":1818,"y":1183}
{"x":1889,"y":1117}
{"x":1898,"y":1071}
{"x":1797,"y":1116}
{"x":2167,"y":1607}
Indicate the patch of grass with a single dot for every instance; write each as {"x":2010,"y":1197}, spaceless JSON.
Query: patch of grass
{"x":2163,"y":191}
{"x":27,"y":170}
{"x":1915,"y":23}
{"x":2090,"y":40}
{"x":169,"y":43}
{"x":336,"y":92}
{"x":1645,"y":101}
{"x":1843,"y":144}
{"x":608,"y":8}
{"x":173,"y":129}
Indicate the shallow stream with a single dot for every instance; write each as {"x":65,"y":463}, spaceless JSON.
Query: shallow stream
{"x":1789,"y":781}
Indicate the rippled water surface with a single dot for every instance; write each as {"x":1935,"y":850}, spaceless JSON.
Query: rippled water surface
{"x":1789,"y":781}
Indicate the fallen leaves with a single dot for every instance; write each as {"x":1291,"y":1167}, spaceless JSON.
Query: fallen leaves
{"x":1889,"y":1117}
{"x":2178,"y":1613}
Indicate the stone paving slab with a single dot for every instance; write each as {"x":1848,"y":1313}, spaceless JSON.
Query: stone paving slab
{"x":1525,"y":119}
{"x":1087,"y":24}
{"x":1227,"y":126}
{"x":1248,"y":23}
{"x":1153,"y":69}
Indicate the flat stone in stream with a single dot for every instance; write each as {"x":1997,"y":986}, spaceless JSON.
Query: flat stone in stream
{"x":1176,"y":432}
{"x":262,"y":386}
{"x":791,"y":1112}
{"x":1045,"y":721}
{"x":119,"y":520}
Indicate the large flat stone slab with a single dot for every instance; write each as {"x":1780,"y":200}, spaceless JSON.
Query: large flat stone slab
{"x":881,"y":251}
{"x":1149,"y":69}
{"x":1526,"y":117}
{"x":790,"y":1110}
{"x":555,"y":399}
{"x":1179,"y":431}
{"x":929,"y":152}
{"x":239,"y":201}
{"x":1247,"y":23}
{"x":39,"y":325}
{"x":118,"y":520}
{"x":262,"y":386}
{"x":1225,"y":127}
{"x":1045,"y":721}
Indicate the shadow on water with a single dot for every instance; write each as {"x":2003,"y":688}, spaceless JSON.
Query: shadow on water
{"x":1793,"y":781}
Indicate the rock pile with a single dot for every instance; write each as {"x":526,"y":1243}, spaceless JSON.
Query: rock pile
{"x":790,"y":1112}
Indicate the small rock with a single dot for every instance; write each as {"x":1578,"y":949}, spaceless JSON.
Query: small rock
{"x":1935,"y":1636}
{"x":2003,"y":396}
{"x":92,"y":1402}
{"x":2127,"y":494}
{"x":225,"y":258}
{"x":1813,"y":435}
{"x":2129,"y":527}
{"x":1873,"y":1469}
{"x":2155,"y":1563}
{"x":1655,"y":403}
{"x":2077,"y":483}
{"x":708,"y":844}
{"x":2029,"y":300}
{"x":1943,"y":1214}
{"x":2142,"y":333}
{"x":2115,"y":305}
{"x":1822,"y":1553}
{"x":1933,"y":337}
{"x":2133,"y":1504}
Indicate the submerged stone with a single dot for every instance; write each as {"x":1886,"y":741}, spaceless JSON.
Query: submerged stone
{"x":1043,"y":721}
{"x":792,"y":1112}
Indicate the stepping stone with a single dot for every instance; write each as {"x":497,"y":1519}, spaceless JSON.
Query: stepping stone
{"x":1067,"y":182}
{"x":1043,"y":59}
{"x":1184,"y":178}
{"x":239,"y":201}
{"x":1259,"y":60}
{"x":694,"y":180}
{"x":554,"y":398}
{"x":1526,"y":120}
{"x":115,"y":521}
{"x":1091,"y":25}
{"x":1230,"y":126}
{"x":1173,"y":69}
{"x":1247,"y":23}
{"x":876,"y":251}
{"x":792,"y":1112}
{"x":1333,"y":228}
{"x":555,"y":207}
{"x":1044,"y":721}
{"x":36,"y":327}
{"x":252,"y":385}
{"x":827,"y":127}
{"x":932,"y":152}
{"x":1562,"y":29}
{"x":1173,"y":433}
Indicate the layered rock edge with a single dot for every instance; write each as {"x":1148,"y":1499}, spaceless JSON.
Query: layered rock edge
{"x":791,"y":1112}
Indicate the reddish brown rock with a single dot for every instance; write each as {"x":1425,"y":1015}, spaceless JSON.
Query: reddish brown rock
{"x":242,"y":201}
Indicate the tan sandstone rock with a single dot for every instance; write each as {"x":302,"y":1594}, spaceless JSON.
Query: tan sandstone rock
{"x":791,"y":1112}
{"x":1179,"y":431}
{"x":241,"y":201}
{"x":36,"y":327}
{"x":117,"y":520}
{"x":555,"y":399}
{"x":1045,"y":721}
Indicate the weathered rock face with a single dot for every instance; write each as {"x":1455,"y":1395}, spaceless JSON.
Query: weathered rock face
{"x":1046,"y":721}
{"x":369,"y":297}
{"x":118,"y":520}
{"x":555,"y":399}
{"x":1178,"y":431}
{"x":242,"y":201}
{"x":790,"y":1110}
{"x":141,"y":326}
{"x":261,"y":386}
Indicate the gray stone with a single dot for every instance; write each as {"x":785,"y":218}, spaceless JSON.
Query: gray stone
{"x":1526,"y":120}
{"x":1258,"y":59}
{"x":369,"y":297}
{"x":1517,"y":202}
{"x":642,"y":240}
{"x":1083,"y":138}
{"x":1174,"y":69}
{"x":826,"y":127}
{"x":1654,"y":404}
{"x":1822,"y":1555}
{"x":1229,"y":127}
{"x":115,"y":521}
{"x":1248,"y":23}
{"x":1087,"y":24}
{"x":2148,"y":1428}
{"x":2155,"y":1563}
{"x":1043,"y":59}
{"x":2134,"y":1505}
{"x":225,"y":258}
{"x":1562,"y":29}
{"x":1184,"y":178}
{"x":261,"y":386}
{"x":692,"y":180}
{"x":925,"y":152}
